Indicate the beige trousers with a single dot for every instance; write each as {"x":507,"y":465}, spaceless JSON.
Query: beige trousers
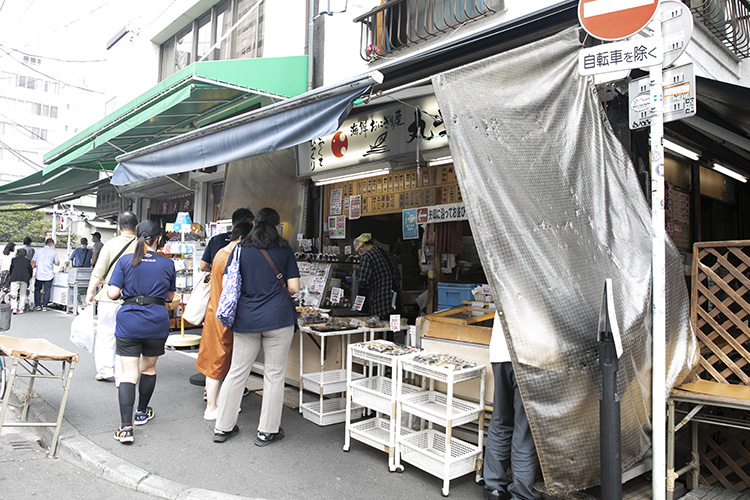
{"x":275,"y":345}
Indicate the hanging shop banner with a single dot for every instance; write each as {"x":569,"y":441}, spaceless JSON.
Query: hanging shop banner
{"x":337,"y":227}
{"x":441,"y":213}
{"x":107,"y":201}
{"x":409,"y":225}
{"x":377,"y":135}
{"x":335,"y":204}
{"x":170,"y":206}
{"x":355,"y":207}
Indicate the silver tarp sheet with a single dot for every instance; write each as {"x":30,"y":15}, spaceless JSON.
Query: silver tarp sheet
{"x":555,"y":207}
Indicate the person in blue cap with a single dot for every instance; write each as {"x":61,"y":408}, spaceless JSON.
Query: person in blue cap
{"x":146,"y":282}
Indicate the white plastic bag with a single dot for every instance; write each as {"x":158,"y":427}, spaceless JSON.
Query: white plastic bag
{"x":195,"y":308}
{"x":83,"y":329}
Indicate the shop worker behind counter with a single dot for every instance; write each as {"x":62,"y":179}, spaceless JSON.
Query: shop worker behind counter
{"x":104,"y":348}
{"x":145,"y":281}
{"x":378,"y":275}
{"x":221,"y":240}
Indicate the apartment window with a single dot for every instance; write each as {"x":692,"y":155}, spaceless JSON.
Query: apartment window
{"x":193,"y":41}
{"x":248,"y":40}
{"x":2,"y":128}
{"x":203,"y":36}
{"x":223,"y":24}
{"x":53,"y":111}
{"x":36,"y":108}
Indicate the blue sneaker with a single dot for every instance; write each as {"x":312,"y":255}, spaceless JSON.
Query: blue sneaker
{"x":141,"y":417}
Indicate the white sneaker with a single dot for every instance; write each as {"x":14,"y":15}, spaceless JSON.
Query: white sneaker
{"x":210,"y":414}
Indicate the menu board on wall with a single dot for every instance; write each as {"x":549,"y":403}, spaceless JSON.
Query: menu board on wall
{"x":678,"y":217}
{"x":393,"y":193}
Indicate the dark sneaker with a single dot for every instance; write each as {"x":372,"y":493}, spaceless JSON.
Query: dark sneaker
{"x":124,"y":434}
{"x":266,"y":438}
{"x":221,"y":436}
{"x":141,"y":417}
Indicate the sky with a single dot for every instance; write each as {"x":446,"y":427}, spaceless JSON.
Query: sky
{"x":74,"y":31}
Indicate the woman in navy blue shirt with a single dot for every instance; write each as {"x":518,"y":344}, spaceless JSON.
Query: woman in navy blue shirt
{"x":146,"y":281}
{"x":265,"y":319}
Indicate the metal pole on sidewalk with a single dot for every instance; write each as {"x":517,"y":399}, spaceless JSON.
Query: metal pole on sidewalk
{"x":610,"y":450}
{"x":658,"y":293}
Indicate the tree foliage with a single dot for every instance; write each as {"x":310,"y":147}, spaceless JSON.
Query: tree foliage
{"x":16,"y":225}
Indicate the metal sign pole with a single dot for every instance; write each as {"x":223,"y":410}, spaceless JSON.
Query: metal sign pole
{"x":658,"y":292}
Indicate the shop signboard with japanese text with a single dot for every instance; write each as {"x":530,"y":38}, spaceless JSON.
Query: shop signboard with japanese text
{"x":378,"y":134}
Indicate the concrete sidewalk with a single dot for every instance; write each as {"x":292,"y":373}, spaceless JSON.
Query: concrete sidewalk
{"x":174,"y":456}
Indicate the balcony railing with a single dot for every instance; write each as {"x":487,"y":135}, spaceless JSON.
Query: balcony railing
{"x":399,"y":23}
{"x":727,"y":20}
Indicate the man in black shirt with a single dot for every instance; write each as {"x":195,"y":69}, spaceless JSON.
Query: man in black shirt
{"x":221,"y":240}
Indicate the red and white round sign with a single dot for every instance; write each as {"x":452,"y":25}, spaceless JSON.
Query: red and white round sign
{"x":615,"y":19}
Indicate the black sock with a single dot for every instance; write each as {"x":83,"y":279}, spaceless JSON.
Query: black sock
{"x":126,"y":395}
{"x":145,"y":390}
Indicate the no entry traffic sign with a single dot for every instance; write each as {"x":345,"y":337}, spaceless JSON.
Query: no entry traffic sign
{"x":615,"y":19}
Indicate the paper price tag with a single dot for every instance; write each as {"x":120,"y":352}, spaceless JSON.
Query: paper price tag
{"x":359,"y":302}
{"x":336,"y":295}
{"x":395,"y":322}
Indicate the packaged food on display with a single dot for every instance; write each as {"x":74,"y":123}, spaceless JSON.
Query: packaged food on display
{"x":445,"y":361}
{"x":387,"y":347}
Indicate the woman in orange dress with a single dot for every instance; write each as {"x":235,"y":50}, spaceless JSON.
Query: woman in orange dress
{"x":215,"y":351}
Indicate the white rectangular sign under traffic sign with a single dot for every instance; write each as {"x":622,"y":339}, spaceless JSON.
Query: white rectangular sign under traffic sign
{"x":679,"y":96}
{"x":616,"y":56}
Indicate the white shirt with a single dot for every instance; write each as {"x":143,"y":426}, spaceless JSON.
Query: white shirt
{"x":5,"y":261}
{"x":45,"y":259}
{"x":499,"y":352}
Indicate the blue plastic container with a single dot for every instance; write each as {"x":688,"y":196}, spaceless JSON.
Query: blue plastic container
{"x":452,"y":294}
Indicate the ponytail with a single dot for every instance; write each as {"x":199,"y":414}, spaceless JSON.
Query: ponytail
{"x":140,"y":249}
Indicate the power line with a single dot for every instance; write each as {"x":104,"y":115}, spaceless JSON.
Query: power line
{"x":53,"y":58}
{"x":27,"y":161}
{"x":48,"y":76}
{"x":19,"y":125}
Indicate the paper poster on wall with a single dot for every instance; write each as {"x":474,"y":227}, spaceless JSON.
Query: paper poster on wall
{"x":335,"y":204}
{"x":355,"y":207}
{"x":337,"y":227}
{"x":409,"y":226}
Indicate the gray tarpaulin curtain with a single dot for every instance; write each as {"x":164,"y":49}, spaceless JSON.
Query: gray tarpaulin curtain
{"x":556,"y":208}
{"x":267,"y":134}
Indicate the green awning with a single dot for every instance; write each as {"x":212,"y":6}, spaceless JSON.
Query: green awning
{"x":201,"y":94}
{"x":57,"y":186}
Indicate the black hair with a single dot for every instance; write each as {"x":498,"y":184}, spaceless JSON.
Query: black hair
{"x":27,"y":241}
{"x":264,"y":233}
{"x":140,"y":249}
{"x":97,"y":234}
{"x":21,"y":252}
{"x":9,"y":248}
{"x":84,"y":241}
{"x":241,"y":230}
{"x":48,"y":241}
{"x":127,"y":221}
{"x":242,"y":215}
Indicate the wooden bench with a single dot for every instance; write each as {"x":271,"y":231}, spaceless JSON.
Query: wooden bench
{"x":718,"y":392}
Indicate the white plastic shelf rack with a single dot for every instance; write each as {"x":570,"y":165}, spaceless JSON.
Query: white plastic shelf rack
{"x":327,"y":411}
{"x":436,"y":452}
{"x":377,"y":393}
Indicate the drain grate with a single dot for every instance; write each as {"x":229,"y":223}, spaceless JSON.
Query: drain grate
{"x":24,"y":445}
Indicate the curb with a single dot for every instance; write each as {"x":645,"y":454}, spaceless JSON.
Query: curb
{"x":81,"y":452}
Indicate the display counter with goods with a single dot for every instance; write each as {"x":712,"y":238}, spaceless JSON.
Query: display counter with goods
{"x":465,"y":331}
{"x":377,"y":392}
{"x":329,"y":285}
{"x":439,"y":452}
{"x":186,"y":255}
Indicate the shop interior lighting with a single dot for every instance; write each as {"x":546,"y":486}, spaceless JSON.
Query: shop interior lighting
{"x":729,"y":172}
{"x":681,"y":150}
{"x":445,"y":160}
{"x":333,"y":178}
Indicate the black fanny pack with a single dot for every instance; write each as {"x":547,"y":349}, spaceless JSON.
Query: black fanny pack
{"x":143,"y":300}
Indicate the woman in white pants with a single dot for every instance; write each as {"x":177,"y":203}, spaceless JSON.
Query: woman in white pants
{"x":265,"y":319}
